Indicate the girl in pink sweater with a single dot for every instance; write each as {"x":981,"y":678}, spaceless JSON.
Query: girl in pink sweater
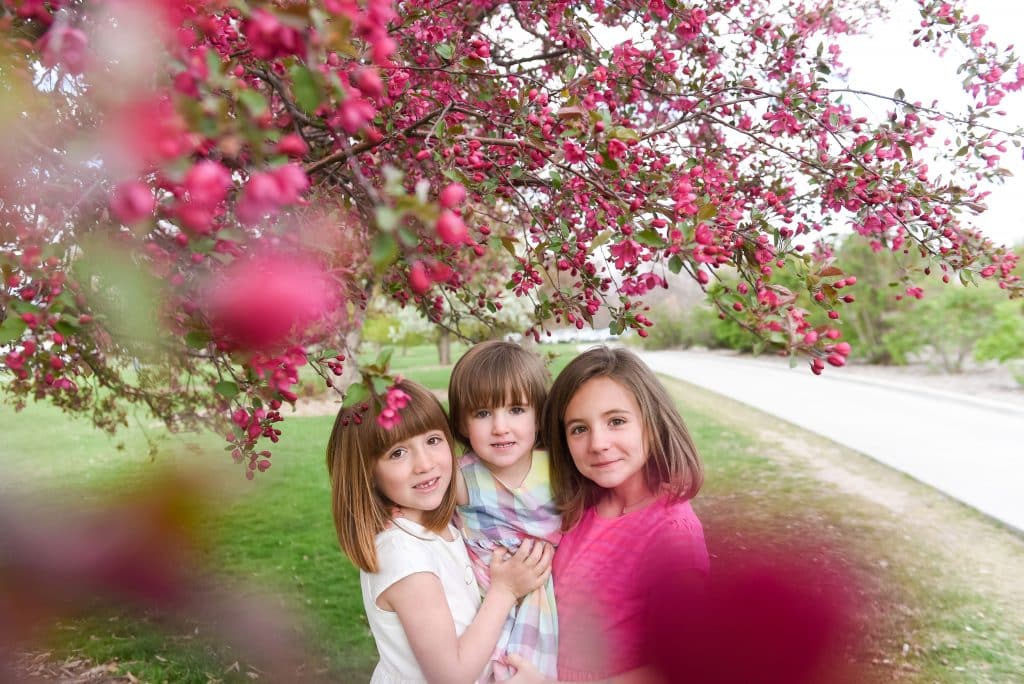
{"x":623,"y":470}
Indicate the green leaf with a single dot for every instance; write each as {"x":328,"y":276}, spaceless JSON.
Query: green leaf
{"x":387,"y":218}
{"x":305,"y":87}
{"x":623,"y":133}
{"x":675,"y":264}
{"x":650,"y":237}
{"x":197,"y":339}
{"x":556,"y":180}
{"x":64,"y":327}
{"x":384,"y":251}
{"x":253,"y":101}
{"x":11,"y":329}
{"x":384,"y":358}
{"x":356,"y":393}
{"x":609,"y":163}
{"x":226,"y":389}
{"x":708,"y":211}
{"x":601,"y":238}
{"x":445,"y":51}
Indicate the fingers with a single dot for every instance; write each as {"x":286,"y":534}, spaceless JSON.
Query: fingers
{"x":525,"y":549}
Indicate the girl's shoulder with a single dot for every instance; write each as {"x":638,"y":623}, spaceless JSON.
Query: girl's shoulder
{"x":673,"y":513}
{"x":406,"y":544}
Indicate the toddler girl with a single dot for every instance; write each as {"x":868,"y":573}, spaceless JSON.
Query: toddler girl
{"x":495,"y":395}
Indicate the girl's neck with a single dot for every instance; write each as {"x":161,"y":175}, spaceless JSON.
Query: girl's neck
{"x":416,"y":516}
{"x":626,"y":498}
{"x":512,"y":476}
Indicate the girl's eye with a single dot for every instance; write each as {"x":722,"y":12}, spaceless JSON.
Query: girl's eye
{"x":616,"y":422}
{"x":434,"y":440}
{"x":517,"y":410}
{"x":481,"y":413}
{"x":577,"y":430}
{"x":396,"y":454}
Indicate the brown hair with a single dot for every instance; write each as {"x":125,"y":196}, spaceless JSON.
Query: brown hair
{"x":673,"y":464}
{"x":361,"y":512}
{"x":493,"y":374}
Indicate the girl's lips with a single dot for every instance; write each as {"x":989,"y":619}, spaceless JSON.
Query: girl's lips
{"x":603,"y":464}
{"x":503,"y":445}
{"x":428,"y":485}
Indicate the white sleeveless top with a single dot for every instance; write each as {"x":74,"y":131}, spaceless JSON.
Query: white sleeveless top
{"x":403,"y":550}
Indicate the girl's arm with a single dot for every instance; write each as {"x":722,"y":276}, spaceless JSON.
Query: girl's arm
{"x":526,"y":673}
{"x":427,"y":621}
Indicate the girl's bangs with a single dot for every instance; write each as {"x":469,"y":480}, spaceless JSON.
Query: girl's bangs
{"x":422,"y":414}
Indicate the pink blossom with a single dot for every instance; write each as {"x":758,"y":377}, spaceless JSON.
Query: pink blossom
{"x":292,"y":145}
{"x":616,"y":148}
{"x":419,"y":280}
{"x":353,"y":114}
{"x":368,"y":81}
{"x":260,"y":302}
{"x":132,"y":201}
{"x":388,"y":418}
{"x":207,"y":183}
{"x":625,"y":253}
{"x":451,"y":228}
{"x":452,"y":196}
{"x":67,"y":46}
{"x":268,"y":37}
{"x":574,"y":154}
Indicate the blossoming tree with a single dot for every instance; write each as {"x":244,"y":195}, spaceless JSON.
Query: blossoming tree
{"x":199,"y":198}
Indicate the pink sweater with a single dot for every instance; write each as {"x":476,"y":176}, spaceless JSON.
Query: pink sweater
{"x":601,"y":585}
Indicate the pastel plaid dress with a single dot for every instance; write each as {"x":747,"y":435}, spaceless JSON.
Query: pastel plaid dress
{"x":497,"y":515}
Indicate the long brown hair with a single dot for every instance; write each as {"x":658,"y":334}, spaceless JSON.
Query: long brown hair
{"x":493,"y":374}
{"x":361,"y":512}
{"x":673,"y":464}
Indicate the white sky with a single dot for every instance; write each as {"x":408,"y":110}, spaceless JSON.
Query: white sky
{"x":885,"y":60}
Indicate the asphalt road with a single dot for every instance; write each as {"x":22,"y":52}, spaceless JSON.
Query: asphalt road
{"x":969,"y":448}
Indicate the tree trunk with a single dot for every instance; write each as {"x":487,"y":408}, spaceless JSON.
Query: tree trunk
{"x":444,"y":348}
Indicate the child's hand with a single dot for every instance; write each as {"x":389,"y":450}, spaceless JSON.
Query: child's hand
{"x":526,"y":673}
{"x":525,"y":570}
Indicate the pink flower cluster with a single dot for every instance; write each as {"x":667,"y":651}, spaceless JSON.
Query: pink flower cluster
{"x":394,"y":401}
{"x":266,"y":192}
{"x":261,"y":302}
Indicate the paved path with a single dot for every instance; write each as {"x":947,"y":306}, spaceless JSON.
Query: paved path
{"x":970,"y":448}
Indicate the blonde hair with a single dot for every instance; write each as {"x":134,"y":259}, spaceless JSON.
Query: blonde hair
{"x":673,"y":464}
{"x":493,"y":374}
{"x":357,"y":441}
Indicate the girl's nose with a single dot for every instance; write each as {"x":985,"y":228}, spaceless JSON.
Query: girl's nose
{"x":598,"y":439}
{"x":421,"y":461}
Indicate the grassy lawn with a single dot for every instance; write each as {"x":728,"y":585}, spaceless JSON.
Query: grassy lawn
{"x":926,"y":620}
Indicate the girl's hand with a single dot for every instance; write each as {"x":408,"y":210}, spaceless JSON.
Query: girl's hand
{"x":526,"y":673}
{"x":525,"y":570}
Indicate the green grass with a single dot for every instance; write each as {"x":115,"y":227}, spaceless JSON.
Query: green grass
{"x":275,"y":535}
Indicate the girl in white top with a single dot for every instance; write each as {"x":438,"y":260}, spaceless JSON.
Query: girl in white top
{"x":393,"y":498}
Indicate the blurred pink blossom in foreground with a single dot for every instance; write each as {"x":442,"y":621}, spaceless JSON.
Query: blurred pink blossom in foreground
{"x":260,"y":303}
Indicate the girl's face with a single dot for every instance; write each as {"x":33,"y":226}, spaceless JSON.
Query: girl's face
{"x":415,"y":473}
{"x":502,"y":436}
{"x":605,"y":434}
